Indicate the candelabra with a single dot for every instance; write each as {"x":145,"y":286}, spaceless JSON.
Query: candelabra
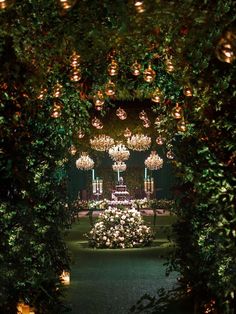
{"x":97,"y":185}
{"x":148,"y":186}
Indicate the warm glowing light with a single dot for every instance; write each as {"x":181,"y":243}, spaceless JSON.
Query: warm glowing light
{"x":119,"y":152}
{"x":135,"y":68}
{"x":177,"y":112}
{"x":113,"y":68}
{"x":119,"y":166}
{"x":154,"y":161}
{"x":98,"y":100}
{"x":65,"y":278}
{"x":139,"y":142}
{"x":127,"y":132}
{"x":149,"y":74}
{"x":101,"y":142}
{"x":84,"y":162}
{"x":72,"y":150}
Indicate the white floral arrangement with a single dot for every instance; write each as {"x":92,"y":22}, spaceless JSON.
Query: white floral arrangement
{"x":102,"y":204}
{"x":120,"y":228}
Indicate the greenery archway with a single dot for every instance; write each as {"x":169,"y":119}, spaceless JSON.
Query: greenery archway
{"x":37,"y":39}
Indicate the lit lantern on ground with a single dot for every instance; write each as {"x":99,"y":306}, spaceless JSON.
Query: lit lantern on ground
{"x":65,"y":278}
{"x":23,"y":308}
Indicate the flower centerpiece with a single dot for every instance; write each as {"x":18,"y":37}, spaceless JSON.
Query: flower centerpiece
{"x":120,"y":228}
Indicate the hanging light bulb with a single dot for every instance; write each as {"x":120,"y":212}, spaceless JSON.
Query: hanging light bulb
{"x":110,"y":88}
{"x":143,"y":115}
{"x":157,"y":122}
{"x":181,"y":126}
{"x":74,"y":60}
{"x":5,"y":4}
{"x":121,"y":114}
{"x":98,"y":100}
{"x":95,"y":121}
{"x":75,"y":75}
{"x":157,"y":96}
{"x":99,"y":126}
{"x":135,"y":68}
{"x":170,"y":154}
{"x":72,"y":150}
{"x":187,"y":91}
{"x":169,"y":66}
{"x":177,"y":112}
{"x":57,"y":90}
{"x":113,"y":68}
{"x":80,"y":134}
{"x":56,"y":109}
{"x":159,"y":140}
{"x":42,"y":93}
{"x":127,"y":132}
{"x":149,"y":74}
{"x":66,"y":4}
{"x":146,"y":123}
{"x":139,"y":6}
{"x":226,"y":47}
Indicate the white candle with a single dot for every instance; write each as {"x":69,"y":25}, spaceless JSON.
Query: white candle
{"x":93,"y":174}
{"x":145,"y":173}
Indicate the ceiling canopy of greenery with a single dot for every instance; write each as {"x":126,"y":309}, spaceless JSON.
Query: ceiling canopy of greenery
{"x":38,"y":39}
{"x":43,"y":36}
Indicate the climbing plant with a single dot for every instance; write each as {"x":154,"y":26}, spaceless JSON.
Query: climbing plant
{"x":40,"y":121}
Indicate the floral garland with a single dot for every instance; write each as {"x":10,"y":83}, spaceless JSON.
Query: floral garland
{"x":120,"y":228}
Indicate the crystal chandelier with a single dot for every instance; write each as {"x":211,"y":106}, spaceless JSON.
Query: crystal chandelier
{"x":153,"y":162}
{"x":119,"y":166}
{"x":84,"y":162}
{"x":139,"y":142}
{"x":101,"y":142}
{"x":119,"y":152}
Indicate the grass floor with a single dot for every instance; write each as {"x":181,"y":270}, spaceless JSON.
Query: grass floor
{"x":112,"y":281}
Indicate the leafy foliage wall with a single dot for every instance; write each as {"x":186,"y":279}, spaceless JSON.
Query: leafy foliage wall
{"x":37,"y":39}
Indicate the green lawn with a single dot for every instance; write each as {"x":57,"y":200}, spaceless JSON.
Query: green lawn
{"x":112,"y":281}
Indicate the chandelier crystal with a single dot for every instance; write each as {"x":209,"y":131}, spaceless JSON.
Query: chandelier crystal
{"x":119,"y":166}
{"x":139,"y":142}
{"x":101,"y":142}
{"x":84,"y":162}
{"x":119,"y":152}
{"x":154,"y":161}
